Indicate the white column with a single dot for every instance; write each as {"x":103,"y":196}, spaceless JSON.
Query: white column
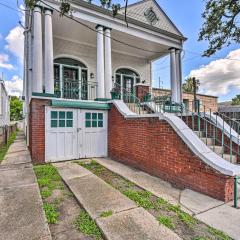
{"x":29,"y":87}
{"x":100,"y":63}
{"x":48,"y":53}
{"x":173,"y":75}
{"x":177,"y":74}
{"x":108,"y":63}
{"x":180,"y":75}
{"x":37,"y":51}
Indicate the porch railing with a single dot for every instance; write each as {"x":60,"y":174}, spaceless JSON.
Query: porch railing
{"x":75,"y":89}
{"x":130,"y":99}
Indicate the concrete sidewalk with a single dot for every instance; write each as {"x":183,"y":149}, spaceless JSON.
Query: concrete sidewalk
{"x":128,"y":221}
{"x":210,"y":211}
{"x":21,"y":215}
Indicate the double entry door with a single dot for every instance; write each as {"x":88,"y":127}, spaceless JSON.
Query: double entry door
{"x":75,"y":133}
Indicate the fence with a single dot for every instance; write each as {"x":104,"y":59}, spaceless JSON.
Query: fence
{"x":5,"y":132}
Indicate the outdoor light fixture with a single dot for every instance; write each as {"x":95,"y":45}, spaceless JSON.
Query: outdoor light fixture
{"x":143,"y":81}
{"x":91,"y":75}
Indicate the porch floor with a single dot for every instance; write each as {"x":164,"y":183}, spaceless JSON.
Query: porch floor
{"x":215,"y":213}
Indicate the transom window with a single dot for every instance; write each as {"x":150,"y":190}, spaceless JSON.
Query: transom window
{"x":70,"y":62}
{"x":93,"y":120}
{"x":61,"y":119}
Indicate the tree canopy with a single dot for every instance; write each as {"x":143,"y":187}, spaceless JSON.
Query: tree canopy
{"x":221,"y":24}
{"x":188,"y":85}
{"x":16,"y":109}
{"x":236,"y":100}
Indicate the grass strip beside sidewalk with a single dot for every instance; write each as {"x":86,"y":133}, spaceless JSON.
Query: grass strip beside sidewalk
{"x":56,"y":198}
{"x":5,"y":147}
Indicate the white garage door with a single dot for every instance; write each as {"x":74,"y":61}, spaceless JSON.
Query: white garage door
{"x":75,"y":133}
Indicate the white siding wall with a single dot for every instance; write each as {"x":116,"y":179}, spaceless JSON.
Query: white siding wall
{"x":87,"y":55}
{"x":4,"y":107}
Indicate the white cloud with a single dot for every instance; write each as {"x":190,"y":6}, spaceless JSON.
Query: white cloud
{"x":15,"y":42}
{"x":14,"y":86}
{"x":219,"y":76}
{"x":4,"y":58}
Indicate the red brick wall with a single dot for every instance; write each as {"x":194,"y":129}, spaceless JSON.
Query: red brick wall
{"x":37,"y":129}
{"x":141,"y":91}
{"x":152,"y":145}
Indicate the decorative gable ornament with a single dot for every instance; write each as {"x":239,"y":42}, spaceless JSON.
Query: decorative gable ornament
{"x":151,"y":16}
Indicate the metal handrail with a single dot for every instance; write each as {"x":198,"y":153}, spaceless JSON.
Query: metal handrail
{"x":130,"y":99}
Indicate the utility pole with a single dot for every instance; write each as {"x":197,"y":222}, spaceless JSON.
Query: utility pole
{"x":196,"y":107}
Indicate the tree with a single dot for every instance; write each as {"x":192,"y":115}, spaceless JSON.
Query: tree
{"x":236,"y":100}
{"x":16,"y":109}
{"x":188,"y":85}
{"x":221,"y":24}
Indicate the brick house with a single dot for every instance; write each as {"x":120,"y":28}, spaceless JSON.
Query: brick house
{"x":210,"y":102}
{"x":74,"y":65}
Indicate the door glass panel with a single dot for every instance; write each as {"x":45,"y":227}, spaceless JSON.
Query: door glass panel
{"x":62,"y":115}
{"x":57,"y":89}
{"x":70,"y":83}
{"x":69,"y":123}
{"x":61,"y":123}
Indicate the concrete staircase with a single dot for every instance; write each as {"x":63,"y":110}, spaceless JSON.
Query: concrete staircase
{"x":216,"y":148}
{"x":137,"y":108}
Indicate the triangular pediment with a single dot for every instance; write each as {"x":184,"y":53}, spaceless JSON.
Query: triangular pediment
{"x":149,"y":12}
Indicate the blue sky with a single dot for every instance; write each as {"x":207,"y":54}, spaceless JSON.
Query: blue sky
{"x":184,"y":13}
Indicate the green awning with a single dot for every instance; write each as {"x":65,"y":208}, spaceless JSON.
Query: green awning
{"x":80,"y":104}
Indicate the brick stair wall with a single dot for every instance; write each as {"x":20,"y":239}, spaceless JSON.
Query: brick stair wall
{"x":152,"y":145}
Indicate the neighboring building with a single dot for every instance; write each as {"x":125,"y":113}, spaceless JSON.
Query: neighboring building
{"x":230,"y":113}
{"x":4,"y":106}
{"x":207,"y":101}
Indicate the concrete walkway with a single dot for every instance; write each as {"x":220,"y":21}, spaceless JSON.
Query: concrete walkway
{"x":21,"y":215}
{"x":128,"y":221}
{"x":211,"y":211}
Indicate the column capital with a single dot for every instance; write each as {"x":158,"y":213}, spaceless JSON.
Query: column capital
{"x":175,"y":49}
{"x":99,"y":26}
{"x":46,"y":10}
{"x":37,"y":8}
{"x":107,"y":28}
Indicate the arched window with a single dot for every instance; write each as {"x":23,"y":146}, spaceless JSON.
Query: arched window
{"x":70,"y":62}
{"x":127,"y":71}
{"x":70,"y":78}
{"x":127,"y":79}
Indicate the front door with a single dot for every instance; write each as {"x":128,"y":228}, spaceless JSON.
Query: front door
{"x":75,"y":133}
{"x":128,"y":85}
{"x":71,"y":86}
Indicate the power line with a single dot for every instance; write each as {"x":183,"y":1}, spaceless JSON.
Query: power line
{"x":127,"y":44}
{"x":92,"y":29}
{"x":9,"y":7}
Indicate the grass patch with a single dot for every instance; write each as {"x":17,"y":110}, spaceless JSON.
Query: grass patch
{"x":93,"y":166}
{"x":5,"y":147}
{"x":51,"y":213}
{"x":106,"y":214}
{"x":48,"y":179}
{"x":218,"y":234}
{"x":200,"y":238}
{"x":142,"y":198}
{"x":171,"y":216}
{"x":166,"y":221}
{"x":87,"y":226}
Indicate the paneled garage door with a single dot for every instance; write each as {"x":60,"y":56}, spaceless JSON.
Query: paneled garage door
{"x":75,"y":133}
